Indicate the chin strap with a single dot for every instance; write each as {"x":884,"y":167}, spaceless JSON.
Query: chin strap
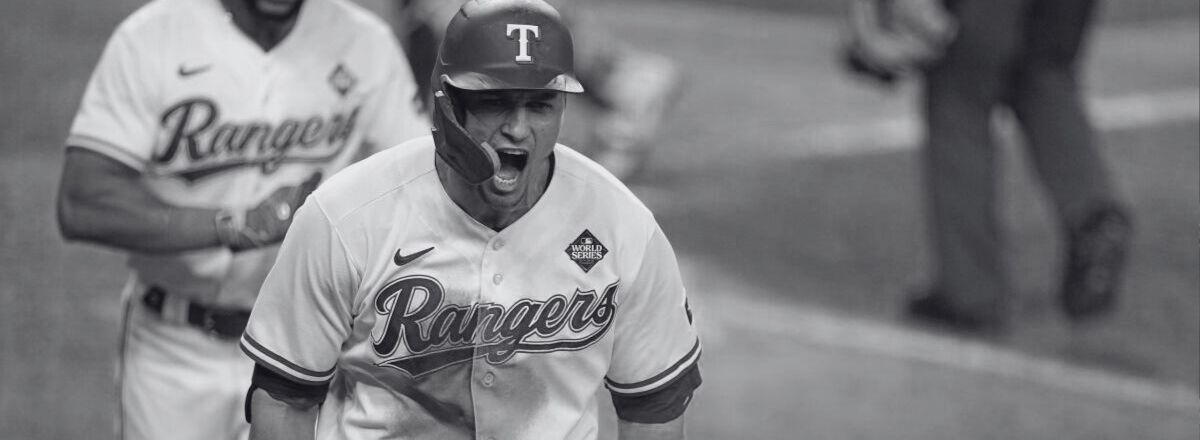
{"x":475,"y":161}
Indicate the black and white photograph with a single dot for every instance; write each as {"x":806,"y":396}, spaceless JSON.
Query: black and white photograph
{"x":600,"y":219}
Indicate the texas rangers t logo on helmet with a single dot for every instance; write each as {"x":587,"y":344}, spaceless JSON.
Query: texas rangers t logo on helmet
{"x":523,"y":38}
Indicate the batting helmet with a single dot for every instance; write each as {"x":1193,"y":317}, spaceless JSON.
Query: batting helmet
{"x":496,"y":45}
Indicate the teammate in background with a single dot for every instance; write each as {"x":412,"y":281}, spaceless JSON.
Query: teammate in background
{"x":978,"y":56}
{"x":633,"y":89}
{"x":481,"y":283}
{"x":204,"y":126}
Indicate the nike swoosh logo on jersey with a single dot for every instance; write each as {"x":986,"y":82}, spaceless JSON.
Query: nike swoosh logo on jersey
{"x":186,"y":72}
{"x":400,"y":259}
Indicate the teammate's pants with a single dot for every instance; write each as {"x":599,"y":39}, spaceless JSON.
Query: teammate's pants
{"x":175,"y":381}
{"x":1022,"y":55}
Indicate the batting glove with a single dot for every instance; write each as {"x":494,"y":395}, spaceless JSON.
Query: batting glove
{"x":266,"y":223}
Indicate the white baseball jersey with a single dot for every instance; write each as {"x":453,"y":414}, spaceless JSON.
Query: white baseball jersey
{"x":211,"y":120}
{"x":425,"y":321}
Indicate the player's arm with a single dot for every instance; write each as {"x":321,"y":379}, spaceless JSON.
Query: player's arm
{"x":672,"y":430}
{"x":283,"y":420}
{"x":657,"y":414}
{"x":102,"y":200}
{"x":280,"y":409}
{"x":299,"y":323}
{"x":655,"y":369}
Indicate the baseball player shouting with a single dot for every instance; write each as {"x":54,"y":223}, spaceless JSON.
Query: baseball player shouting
{"x":480,"y":283}
{"x":204,"y":125}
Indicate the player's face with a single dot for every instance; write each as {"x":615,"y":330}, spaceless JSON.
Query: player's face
{"x":522,"y":127}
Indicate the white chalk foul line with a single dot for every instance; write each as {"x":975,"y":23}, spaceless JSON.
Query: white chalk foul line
{"x":1109,"y":113}
{"x":841,"y":332}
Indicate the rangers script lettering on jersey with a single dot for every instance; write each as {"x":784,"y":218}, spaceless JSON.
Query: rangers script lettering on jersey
{"x":438,"y":336}
{"x":427,"y":324}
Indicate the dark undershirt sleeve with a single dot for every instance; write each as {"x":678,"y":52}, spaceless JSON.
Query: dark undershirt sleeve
{"x":283,"y":389}
{"x":662,"y":405}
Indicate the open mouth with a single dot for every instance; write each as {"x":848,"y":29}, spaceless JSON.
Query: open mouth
{"x":512,"y":162}
{"x":276,"y":6}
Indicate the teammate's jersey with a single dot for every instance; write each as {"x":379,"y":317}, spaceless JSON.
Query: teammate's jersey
{"x":211,"y":120}
{"x":425,"y":321}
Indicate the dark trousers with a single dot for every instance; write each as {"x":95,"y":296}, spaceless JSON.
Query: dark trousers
{"x":1022,"y":55}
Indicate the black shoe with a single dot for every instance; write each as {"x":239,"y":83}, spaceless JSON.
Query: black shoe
{"x":1096,"y":255}
{"x":932,"y":309}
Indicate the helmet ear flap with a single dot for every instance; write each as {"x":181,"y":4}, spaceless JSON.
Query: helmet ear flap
{"x":474,"y":161}
{"x":456,"y":99}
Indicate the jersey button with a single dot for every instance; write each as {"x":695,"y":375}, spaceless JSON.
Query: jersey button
{"x":497,"y":278}
{"x":498,"y":244}
{"x":488,"y":379}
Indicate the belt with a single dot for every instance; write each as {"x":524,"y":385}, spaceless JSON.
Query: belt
{"x":221,"y":323}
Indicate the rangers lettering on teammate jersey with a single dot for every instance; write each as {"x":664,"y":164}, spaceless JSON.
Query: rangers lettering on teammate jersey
{"x":438,"y":335}
{"x":202,"y":144}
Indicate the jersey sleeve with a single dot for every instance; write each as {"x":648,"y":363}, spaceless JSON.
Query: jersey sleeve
{"x":116,"y":115}
{"x":656,"y":342}
{"x":303,"y":311}
{"x":393,"y":110}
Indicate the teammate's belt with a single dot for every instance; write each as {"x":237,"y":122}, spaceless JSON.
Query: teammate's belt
{"x":219,"y":322}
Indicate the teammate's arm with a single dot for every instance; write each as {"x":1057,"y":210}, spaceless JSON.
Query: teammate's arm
{"x":672,"y":430}
{"x":102,"y":200}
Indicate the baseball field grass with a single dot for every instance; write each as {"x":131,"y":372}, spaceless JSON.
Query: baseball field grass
{"x":798,"y":247}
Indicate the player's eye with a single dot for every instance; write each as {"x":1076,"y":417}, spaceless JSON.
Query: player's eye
{"x":540,"y":106}
{"x":493,"y":102}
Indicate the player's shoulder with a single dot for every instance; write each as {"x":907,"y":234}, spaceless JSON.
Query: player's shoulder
{"x":373,"y":178}
{"x":601,"y":186}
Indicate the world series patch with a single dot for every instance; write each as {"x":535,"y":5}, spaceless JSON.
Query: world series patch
{"x":342,"y":80}
{"x":586,"y":251}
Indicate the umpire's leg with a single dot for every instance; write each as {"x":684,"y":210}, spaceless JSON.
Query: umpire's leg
{"x":961,"y":92}
{"x":1048,"y":102}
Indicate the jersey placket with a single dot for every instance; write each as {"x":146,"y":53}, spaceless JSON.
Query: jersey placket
{"x":254,"y":72}
{"x":257,"y":71}
{"x":263,"y":97}
{"x":492,"y":285}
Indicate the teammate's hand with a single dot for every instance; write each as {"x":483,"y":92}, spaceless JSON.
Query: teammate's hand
{"x":266,"y":223}
{"x":891,"y":38}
